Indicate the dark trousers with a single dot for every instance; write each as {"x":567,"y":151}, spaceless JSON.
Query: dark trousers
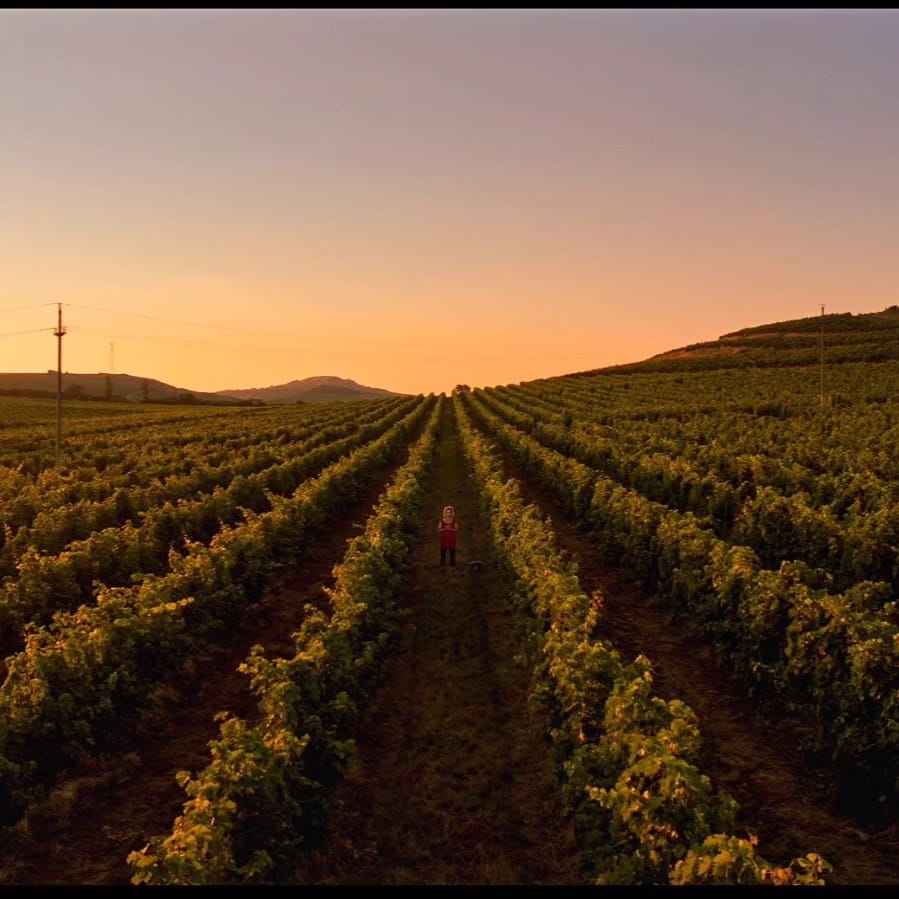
{"x":452,"y":555}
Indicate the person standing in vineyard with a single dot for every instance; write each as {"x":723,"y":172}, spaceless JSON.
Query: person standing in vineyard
{"x":447,"y":529}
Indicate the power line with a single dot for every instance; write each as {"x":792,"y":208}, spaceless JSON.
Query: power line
{"x":457,"y":353}
{"x":281,"y":334}
{"x":18,"y":333}
{"x":26,"y":308}
{"x":293,"y":350}
{"x":158,"y":318}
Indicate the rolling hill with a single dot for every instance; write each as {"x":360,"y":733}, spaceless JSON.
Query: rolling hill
{"x":318,"y":389}
{"x":102,"y":386}
{"x":131,"y":388}
{"x":841,"y":337}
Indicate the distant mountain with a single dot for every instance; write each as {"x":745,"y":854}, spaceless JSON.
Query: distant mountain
{"x":318,"y":389}
{"x":125,"y":388}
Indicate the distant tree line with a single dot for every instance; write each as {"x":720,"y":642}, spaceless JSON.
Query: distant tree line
{"x":76,"y":392}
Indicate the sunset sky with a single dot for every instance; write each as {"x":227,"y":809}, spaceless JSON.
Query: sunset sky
{"x":415,"y":199}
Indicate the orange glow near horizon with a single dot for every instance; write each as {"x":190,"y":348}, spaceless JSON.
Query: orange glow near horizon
{"x":411,"y":199}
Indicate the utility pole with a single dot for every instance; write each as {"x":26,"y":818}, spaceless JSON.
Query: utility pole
{"x":58,"y":333}
{"x":109,"y":374}
{"x":822,"y":355}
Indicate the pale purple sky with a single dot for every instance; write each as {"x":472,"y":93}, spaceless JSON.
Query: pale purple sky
{"x":415,"y":199}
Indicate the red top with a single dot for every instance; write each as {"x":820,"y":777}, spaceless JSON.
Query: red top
{"x":447,"y":534}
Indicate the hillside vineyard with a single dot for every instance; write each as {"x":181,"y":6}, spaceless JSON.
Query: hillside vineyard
{"x":747,"y":499}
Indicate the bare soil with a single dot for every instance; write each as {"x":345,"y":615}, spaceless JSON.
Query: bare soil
{"x":96,"y":816}
{"x":791,"y":802}
{"x":454,"y":782}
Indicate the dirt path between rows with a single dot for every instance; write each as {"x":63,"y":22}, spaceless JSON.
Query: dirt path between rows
{"x":787,"y":802}
{"x":95,"y":817}
{"x":454,"y":782}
